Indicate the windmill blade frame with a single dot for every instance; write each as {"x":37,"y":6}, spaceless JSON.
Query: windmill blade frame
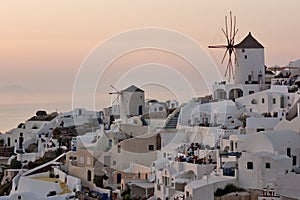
{"x":230,"y":33}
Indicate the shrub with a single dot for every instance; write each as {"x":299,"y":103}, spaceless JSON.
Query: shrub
{"x":38,"y":162}
{"x":127,"y":197}
{"x":98,"y":180}
{"x":15,"y":164}
{"x":51,"y":193}
{"x":58,"y":152}
{"x":5,"y":188}
{"x":229,"y":188}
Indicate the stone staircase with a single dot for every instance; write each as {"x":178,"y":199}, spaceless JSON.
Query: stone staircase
{"x":172,"y":120}
{"x":292,"y":113}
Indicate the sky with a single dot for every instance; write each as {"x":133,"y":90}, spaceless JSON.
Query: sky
{"x":44,"y":43}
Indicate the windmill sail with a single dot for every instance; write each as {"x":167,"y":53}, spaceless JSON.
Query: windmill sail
{"x":230,"y":33}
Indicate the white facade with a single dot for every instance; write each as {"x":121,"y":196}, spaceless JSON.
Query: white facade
{"x":266,"y":156}
{"x":259,"y":170}
{"x":277,"y":99}
{"x":232,"y":91}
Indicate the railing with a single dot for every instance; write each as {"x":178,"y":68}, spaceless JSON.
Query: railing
{"x":280,"y":81}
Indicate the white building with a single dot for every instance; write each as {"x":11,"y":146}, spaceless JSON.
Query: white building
{"x":172,"y":179}
{"x":276,"y":99}
{"x":251,"y":62}
{"x":266,"y":156}
{"x":131,"y":102}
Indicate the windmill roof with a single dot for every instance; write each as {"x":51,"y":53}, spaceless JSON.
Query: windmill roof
{"x":249,"y":42}
{"x":133,"y":88}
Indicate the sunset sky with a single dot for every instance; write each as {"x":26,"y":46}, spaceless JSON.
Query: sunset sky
{"x":43,"y":43}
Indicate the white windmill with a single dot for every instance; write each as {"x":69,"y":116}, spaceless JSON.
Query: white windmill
{"x":120,"y":103}
{"x":248,"y":64}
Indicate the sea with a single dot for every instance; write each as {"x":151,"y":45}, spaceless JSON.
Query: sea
{"x":11,"y":115}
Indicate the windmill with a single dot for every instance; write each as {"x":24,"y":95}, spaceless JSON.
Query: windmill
{"x":230,"y":33}
{"x":120,"y":101}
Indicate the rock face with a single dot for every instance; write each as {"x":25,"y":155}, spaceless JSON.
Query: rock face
{"x":43,"y":116}
{"x":236,"y":196}
{"x":41,"y":113}
{"x":32,"y":148}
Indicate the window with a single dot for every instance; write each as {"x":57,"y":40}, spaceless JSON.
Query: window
{"x":114,"y":162}
{"x":119,"y":148}
{"x":250,"y":109}
{"x":268,"y":165}
{"x":263,"y":100}
{"x":139,"y":175}
{"x":260,"y":129}
{"x":151,"y":147}
{"x":158,"y":187}
{"x":251,"y":92}
{"x":246,"y":57}
{"x":249,"y":165}
{"x":231,"y":145}
{"x":166,"y":180}
{"x":274,"y":101}
{"x":249,"y":77}
{"x":187,"y":194}
{"x":161,"y":108}
{"x":81,"y":159}
{"x":21,"y":134}
{"x":243,"y":50}
{"x":88,"y":161}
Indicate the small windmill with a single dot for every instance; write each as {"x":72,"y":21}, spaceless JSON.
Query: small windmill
{"x":230,"y":33}
{"x":120,"y":101}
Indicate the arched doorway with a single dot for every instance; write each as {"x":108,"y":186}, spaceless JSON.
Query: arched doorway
{"x":220,"y":94}
{"x":89,"y":175}
{"x":235,"y":93}
{"x":140,"y":110}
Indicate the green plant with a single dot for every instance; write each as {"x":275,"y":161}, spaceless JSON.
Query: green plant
{"x":56,"y":132}
{"x":98,"y":180}
{"x":127,"y":197}
{"x":15,"y":164}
